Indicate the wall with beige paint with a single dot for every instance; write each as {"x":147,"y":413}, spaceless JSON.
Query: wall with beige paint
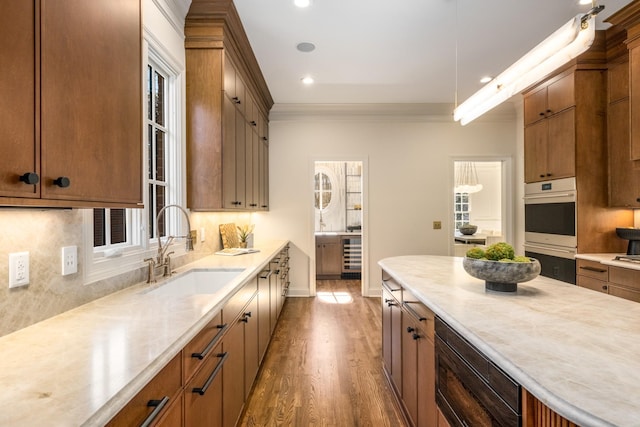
{"x":408,"y":165}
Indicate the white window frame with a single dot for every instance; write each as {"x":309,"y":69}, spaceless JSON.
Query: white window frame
{"x":462,"y":211}
{"x":121,"y":258}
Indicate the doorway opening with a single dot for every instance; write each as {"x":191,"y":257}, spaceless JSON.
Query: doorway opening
{"x":481,"y":211}
{"x":338,"y":219}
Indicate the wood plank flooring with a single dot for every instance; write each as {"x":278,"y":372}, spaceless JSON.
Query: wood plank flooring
{"x":323,"y":366}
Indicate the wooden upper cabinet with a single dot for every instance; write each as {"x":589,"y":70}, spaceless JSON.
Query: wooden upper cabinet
{"x":634,"y":89}
{"x":624,"y":173}
{"x":75,"y":102}
{"x":548,"y":99}
{"x":91,"y":99}
{"x":560,"y":94}
{"x":549,"y":112}
{"x":618,"y":81}
{"x":227,"y":106}
{"x":18,"y":142}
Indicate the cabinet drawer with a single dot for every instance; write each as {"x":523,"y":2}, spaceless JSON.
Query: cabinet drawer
{"x":591,"y":283}
{"x":201,"y":346}
{"x":419,"y":312}
{"x":623,"y":292}
{"x":392,"y":287}
{"x":241,"y":298}
{"x":593,"y":269}
{"x":625,"y":276}
{"x":166,"y":385}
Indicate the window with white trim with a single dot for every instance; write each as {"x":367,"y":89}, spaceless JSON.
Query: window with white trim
{"x":462,"y":209}
{"x":118,"y":240}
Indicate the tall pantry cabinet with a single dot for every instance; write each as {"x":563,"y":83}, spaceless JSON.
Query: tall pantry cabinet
{"x":71,"y":102}
{"x":623,"y":57}
{"x":228,"y":103}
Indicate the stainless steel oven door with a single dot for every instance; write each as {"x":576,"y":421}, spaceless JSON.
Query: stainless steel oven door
{"x":550,"y":213}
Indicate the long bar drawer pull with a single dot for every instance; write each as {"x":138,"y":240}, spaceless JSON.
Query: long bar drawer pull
{"x":384,"y":282}
{"x":412,"y":311}
{"x":202,"y":390}
{"x":597,"y":270}
{"x":159,"y":406}
{"x":213,"y":341}
{"x":266,"y":273}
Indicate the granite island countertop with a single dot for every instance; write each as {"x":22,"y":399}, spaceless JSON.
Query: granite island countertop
{"x":81,"y":367}
{"x":576,"y":350}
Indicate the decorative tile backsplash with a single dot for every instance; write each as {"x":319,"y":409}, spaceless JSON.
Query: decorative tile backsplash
{"x":43,"y":233}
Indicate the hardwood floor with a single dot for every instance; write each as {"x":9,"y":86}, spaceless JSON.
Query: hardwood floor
{"x":323,"y":366}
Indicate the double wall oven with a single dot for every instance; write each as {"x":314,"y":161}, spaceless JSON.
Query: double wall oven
{"x":550,"y":227}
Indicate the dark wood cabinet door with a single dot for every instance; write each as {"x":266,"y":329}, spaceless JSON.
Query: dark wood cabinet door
{"x":204,"y":407}
{"x":561,"y":94}
{"x":264,"y":314}
{"x":387,"y":302}
{"x":228,"y":165}
{"x":91,"y":100}
{"x":634,"y":93}
{"x":18,"y":142}
{"x":251,"y":353}
{"x":410,"y":367}
{"x":624,"y":173}
{"x":426,"y":381}
{"x":535,"y":106}
{"x":535,"y":151}
{"x":396,"y":345}
{"x":561,"y":145}
{"x":233,"y":375}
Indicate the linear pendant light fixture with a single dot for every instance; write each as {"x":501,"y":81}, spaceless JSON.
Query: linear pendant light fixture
{"x":569,"y":41}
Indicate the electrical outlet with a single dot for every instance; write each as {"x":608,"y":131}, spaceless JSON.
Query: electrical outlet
{"x":69,"y":260}
{"x":18,"y":269}
{"x":437,"y":225}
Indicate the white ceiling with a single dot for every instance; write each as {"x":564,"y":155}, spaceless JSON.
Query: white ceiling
{"x":396,"y":51}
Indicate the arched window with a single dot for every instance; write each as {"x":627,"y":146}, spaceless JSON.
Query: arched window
{"x":323,"y":190}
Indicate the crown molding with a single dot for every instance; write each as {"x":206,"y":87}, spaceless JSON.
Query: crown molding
{"x":382,"y":112}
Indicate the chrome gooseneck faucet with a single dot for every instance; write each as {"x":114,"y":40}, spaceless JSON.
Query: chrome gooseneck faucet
{"x":162,"y":258}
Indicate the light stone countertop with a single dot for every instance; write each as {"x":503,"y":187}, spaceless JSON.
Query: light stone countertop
{"x":609,"y":259}
{"x":83,"y":366}
{"x":576,"y":350}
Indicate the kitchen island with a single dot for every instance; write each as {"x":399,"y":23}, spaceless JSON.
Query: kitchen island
{"x":575,"y":350}
{"x":83,"y":366}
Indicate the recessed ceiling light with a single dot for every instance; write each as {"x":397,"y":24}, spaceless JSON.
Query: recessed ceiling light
{"x":306,"y":47}
{"x":585,"y":1}
{"x":307,"y":80}
{"x":302,"y":3}
{"x":486,"y":79}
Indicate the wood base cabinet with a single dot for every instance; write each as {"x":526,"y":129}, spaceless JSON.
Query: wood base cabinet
{"x":408,"y":352}
{"x":159,"y":403}
{"x":328,"y":257}
{"x":209,"y":380}
{"x":418,"y":360}
{"x":203,"y":394}
{"x":617,"y":281}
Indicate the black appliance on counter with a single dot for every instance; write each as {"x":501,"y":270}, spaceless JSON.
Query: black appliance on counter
{"x":633,"y":236}
{"x":550,"y":227}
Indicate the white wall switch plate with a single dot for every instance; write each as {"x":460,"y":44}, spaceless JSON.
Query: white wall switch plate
{"x":18,"y":269}
{"x":202,"y":234}
{"x":69,"y":260}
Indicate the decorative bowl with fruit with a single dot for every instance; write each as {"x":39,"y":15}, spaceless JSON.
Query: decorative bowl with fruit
{"x":499,"y":267}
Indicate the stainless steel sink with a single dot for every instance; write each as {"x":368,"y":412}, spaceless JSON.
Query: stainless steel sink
{"x":198,"y":281}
